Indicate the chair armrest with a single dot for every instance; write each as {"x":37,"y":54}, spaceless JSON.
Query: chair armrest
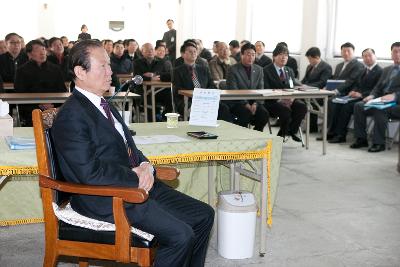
{"x":167,"y":173}
{"x":131,"y":195}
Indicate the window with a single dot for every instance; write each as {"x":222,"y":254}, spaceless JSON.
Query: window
{"x":277,"y":21}
{"x":367,"y":24}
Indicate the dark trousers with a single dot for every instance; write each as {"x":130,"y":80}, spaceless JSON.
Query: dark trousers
{"x":181,"y":224}
{"x":340,"y":118}
{"x":245,"y":117}
{"x":289,"y":118}
{"x":380,"y":118}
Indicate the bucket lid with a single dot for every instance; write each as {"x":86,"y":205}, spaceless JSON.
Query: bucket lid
{"x":238,"y":201}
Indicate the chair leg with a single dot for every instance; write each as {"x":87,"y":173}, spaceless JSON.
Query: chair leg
{"x":301,"y":137}
{"x":50,"y":258}
{"x":269,"y":126}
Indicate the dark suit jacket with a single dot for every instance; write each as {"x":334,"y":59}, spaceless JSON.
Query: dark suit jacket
{"x":272,"y":80}
{"x":381,"y":89}
{"x":351,"y":74}
{"x":263,"y":61}
{"x":367,"y":82}
{"x":91,"y":151}
{"x":318,"y":76}
{"x":158,"y":66}
{"x":169,"y":38}
{"x":292,"y":63}
{"x":237,"y":79}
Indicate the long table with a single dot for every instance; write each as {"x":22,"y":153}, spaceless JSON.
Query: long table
{"x":265,"y":94}
{"x":153,"y":88}
{"x":236,"y":146}
{"x":40,"y":98}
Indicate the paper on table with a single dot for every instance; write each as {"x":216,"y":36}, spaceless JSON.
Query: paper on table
{"x":205,"y":104}
{"x":158,"y":139}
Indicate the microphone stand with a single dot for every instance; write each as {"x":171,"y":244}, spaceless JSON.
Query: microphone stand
{"x":124,"y":101}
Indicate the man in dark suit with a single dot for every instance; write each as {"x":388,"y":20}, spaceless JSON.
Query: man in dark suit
{"x":234,"y":47}
{"x":247,"y":75}
{"x":261,"y":59}
{"x":278,"y":76}
{"x":190,"y":75}
{"x":169,"y":38}
{"x":388,"y":88}
{"x":318,"y":71}
{"x":350,"y":71}
{"x":13,"y":58}
{"x":317,"y":74}
{"x":37,"y":76}
{"x":94,"y":147}
{"x":291,"y":62}
{"x":368,"y":79}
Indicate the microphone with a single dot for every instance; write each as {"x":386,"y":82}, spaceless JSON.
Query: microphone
{"x":137,"y":80}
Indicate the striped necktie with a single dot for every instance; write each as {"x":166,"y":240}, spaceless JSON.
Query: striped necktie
{"x":104,"y":104}
{"x":196,"y":83}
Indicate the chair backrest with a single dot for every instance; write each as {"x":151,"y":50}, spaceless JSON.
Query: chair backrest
{"x":47,"y":158}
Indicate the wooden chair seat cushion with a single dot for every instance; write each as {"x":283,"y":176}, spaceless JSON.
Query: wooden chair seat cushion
{"x":76,"y":227}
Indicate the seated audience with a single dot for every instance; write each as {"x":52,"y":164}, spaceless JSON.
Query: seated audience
{"x":261,"y":59}
{"x":37,"y":76}
{"x":234,"y":47}
{"x":59,"y":56}
{"x":388,"y":88}
{"x":65,"y":43}
{"x":247,"y":75}
{"x":191,"y":75}
{"x":119,"y":63}
{"x":366,"y":82}
{"x":290,"y":112}
{"x":219,"y":65}
{"x":291,"y":63}
{"x":13,"y":58}
{"x":318,"y":71}
{"x":204,"y":53}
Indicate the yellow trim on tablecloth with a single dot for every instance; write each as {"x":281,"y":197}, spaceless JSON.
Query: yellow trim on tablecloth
{"x":21,"y":221}
{"x":170,"y":159}
{"x":16,"y":170}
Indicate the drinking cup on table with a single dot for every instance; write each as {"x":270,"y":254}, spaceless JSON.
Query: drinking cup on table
{"x":172,"y":120}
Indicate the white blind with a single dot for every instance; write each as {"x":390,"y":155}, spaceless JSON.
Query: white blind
{"x":367,"y":24}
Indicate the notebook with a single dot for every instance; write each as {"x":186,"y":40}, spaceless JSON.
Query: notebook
{"x":333,"y":84}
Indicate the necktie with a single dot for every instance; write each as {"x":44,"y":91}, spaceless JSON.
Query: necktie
{"x":104,"y":104}
{"x":195,"y":81}
{"x":281,"y":75}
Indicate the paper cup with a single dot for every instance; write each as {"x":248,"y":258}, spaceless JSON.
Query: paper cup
{"x":172,"y":120}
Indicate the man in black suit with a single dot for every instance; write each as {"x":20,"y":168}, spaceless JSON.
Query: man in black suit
{"x":388,"y":88}
{"x":291,"y":62}
{"x":37,"y":76}
{"x":169,"y":38}
{"x":368,"y":79}
{"x":247,"y":75}
{"x":261,"y":59}
{"x":317,"y":74}
{"x":190,"y":75}
{"x":350,"y":71}
{"x":318,"y":71}
{"x":59,"y":56}
{"x":234,"y":47}
{"x":278,"y":76}
{"x":13,"y":58}
{"x":94,"y":147}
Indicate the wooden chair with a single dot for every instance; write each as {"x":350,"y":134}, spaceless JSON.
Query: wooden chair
{"x":64,"y":239}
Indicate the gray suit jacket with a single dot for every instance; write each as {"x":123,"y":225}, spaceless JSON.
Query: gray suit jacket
{"x":237,"y":78}
{"x":381,"y":88}
{"x":351,"y":74}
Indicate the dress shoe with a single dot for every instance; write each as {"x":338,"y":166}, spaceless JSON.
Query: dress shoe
{"x":328,"y":137}
{"x":376,"y":148}
{"x":359,"y":143}
{"x":337,"y":139}
{"x":296,"y":138}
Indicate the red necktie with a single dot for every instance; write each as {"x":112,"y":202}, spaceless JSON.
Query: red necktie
{"x":281,"y":75}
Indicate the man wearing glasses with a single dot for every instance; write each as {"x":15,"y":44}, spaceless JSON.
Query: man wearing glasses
{"x":11,"y":60}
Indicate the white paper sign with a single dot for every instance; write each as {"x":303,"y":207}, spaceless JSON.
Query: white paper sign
{"x":205,"y":104}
